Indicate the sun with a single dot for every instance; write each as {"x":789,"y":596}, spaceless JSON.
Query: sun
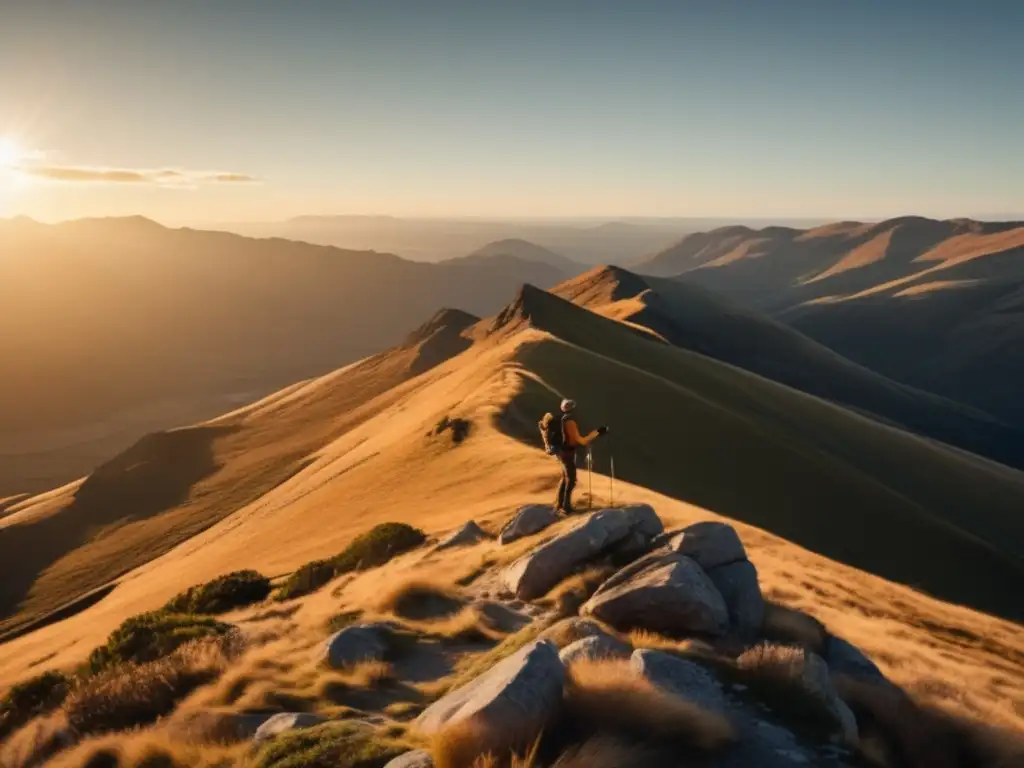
{"x":10,"y":153}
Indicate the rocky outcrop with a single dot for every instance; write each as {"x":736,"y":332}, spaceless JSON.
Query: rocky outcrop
{"x":352,"y":645}
{"x":710,"y":544}
{"x":666,"y":593}
{"x":537,"y":572}
{"x":531,"y":519}
{"x":516,"y":694}
{"x":846,"y":659}
{"x":681,"y":677}
{"x":467,"y":535}
{"x":595,"y":648}
{"x":283,"y":722}
{"x":737,"y":583}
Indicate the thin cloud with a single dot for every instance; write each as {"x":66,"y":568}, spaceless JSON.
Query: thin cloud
{"x":166,"y":177}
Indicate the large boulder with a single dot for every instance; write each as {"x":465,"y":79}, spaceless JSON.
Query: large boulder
{"x":681,"y":677}
{"x":516,"y":695}
{"x":738,"y":585}
{"x":284,"y":722}
{"x":469,"y":534}
{"x":845,"y":658}
{"x":595,"y":648}
{"x":531,"y":519}
{"x":709,"y":543}
{"x":668,"y":593}
{"x":538,"y":571}
{"x":418,"y":758}
{"x":355,"y":644}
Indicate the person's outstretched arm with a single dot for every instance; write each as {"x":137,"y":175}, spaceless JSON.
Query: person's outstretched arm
{"x":573,"y":433}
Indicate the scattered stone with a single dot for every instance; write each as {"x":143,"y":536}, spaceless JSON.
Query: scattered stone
{"x":519,"y":691}
{"x":681,"y":677}
{"x":537,"y":572}
{"x":531,"y":519}
{"x":669,"y":594}
{"x":283,"y":722}
{"x":593,"y":648}
{"x":738,"y":585}
{"x":709,"y":543}
{"x":469,"y":534}
{"x":845,"y":658}
{"x":418,"y":758}
{"x":355,"y":644}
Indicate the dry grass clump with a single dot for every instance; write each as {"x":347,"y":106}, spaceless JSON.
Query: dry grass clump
{"x":470,"y":625}
{"x":471,"y":667}
{"x":782,"y":677}
{"x":370,"y":674}
{"x":131,"y":695}
{"x":569,"y":595}
{"x":478,"y":743}
{"x":420,"y":599}
{"x":642,"y":638}
{"x":34,"y":697}
{"x":34,"y":744}
{"x":608,"y":696}
{"x":147,"y":749}
{"x":896,"y":730}
{"x":793,"y":627}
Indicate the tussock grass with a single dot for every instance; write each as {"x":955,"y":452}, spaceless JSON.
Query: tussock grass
{"x":569,"y":595}
{"x":223,"y":594}
{"x":569,"y":630}
{"x":130,"y":695}
{"x":34,"y":697}
{"x":778,"y":675}
{"x":420,"y":599}
{"x":149,"y":636}
{"x":35,"y":743}
{"x":373,"y":548}
{"x":477,"y":743}
{"x":147,"y":749}
{"x":895,"y":729}
{"x":608,"y":696}
{"x":470,"y":625}
{"x":370,"y":674}
{"x":344,"y":744}
{"x":793,"y":627}
{"x":642,"y":638}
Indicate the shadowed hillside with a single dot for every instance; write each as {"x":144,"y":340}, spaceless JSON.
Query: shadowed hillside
{"x":523,"y":249}
{"x":115,"y":328}
{"x":933,"y":304}
{"x":695,"y":319}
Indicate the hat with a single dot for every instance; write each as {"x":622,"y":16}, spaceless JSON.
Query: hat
{"x":568,"y":405}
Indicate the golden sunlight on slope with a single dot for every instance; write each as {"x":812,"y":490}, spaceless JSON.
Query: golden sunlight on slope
{"x":935,"y":285}
{"x":965,"y":247}
{"x":866,"y":253}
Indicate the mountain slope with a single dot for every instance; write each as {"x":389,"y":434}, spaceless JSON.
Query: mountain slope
{"x":934,"y":304}
{"x":115,"y":328}
{"x":170,"y":486}
{"x":695,"y":319}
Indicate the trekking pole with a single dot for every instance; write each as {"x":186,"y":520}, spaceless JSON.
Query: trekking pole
{"x":590,"y":479}
{"x":611,"y":454}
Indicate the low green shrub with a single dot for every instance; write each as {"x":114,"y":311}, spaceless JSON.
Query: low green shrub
{"x":223,"y":594}
{"x":34,"y":697}
{"x":373,"y":548}
{"x":343,"y":744}
{"x":150,"y":636}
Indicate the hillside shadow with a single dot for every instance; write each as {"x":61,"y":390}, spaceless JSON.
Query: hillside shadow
{"x":757,"y":469}
{"x":153,"y":476}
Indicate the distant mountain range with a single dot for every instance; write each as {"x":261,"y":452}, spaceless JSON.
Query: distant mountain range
{"x":115,"y":327}
{"x":938,"y":305}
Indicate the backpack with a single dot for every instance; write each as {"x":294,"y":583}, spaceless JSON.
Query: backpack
{"x":551,"y":434}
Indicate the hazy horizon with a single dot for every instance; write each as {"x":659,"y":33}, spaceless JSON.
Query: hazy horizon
{"x":200,"y":114}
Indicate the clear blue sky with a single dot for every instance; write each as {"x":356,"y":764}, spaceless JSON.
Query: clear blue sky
{"x":769,"y":108}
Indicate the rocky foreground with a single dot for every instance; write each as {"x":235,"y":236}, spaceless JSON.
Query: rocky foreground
{"x":630,"y":646}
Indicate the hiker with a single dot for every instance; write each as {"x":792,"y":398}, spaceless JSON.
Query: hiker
{"x":561,"y":439}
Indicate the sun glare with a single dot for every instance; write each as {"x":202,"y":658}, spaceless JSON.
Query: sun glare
{"x":10,"y":153}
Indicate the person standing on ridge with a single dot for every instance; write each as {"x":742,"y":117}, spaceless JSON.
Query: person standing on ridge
{"x":561,"y":441}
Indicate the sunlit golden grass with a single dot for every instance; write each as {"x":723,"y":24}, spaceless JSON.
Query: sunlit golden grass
{"x":419,"y":598}
{"x":571,"y":593}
